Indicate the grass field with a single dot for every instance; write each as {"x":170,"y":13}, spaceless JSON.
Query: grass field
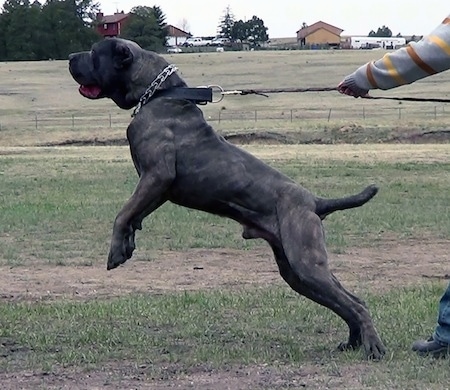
{"x":198,"y":307}
{"x":45,"y":92}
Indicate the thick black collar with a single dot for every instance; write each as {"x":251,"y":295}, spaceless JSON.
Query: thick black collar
{"x":199,"y":95}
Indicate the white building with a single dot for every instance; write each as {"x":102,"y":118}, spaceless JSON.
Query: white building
{"x":373,"y":42}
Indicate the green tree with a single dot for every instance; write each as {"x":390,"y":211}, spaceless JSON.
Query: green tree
{"x":68,"y":26}
{"x":381,"y":32}
{"x":252,"y":30}
{"x":31,"y":31}
{"x":87,"y":11}
{"x":2,"y":37}
{"x":20,"y":20}
{"x":226,"y":24}
{"x":239,"y":31}
{"x":146,"y":26}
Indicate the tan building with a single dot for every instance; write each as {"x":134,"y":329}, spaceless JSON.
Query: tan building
{"x":319,"y":33}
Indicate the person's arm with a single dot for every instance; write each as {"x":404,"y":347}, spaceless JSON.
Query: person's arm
{"x":404,"y":66}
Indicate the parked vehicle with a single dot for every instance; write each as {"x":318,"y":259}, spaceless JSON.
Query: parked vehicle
{"x":221,"y":41}
{"x":174,"y":49}
{"x":197,"y":41}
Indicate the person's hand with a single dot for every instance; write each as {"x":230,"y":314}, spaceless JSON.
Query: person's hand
{"x":353,"y":90}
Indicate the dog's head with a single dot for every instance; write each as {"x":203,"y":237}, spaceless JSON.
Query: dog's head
{"x":117,"y":69}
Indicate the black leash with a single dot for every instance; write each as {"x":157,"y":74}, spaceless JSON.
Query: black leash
{"x":215,"y":94}
{"x":205,"y":94}
{"x":408,"y":99}
{"x":265,"y":92}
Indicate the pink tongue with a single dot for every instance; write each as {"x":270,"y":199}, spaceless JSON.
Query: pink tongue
{"x":90,"y":91}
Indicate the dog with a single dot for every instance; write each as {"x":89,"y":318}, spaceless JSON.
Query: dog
{"x":180,"y":158}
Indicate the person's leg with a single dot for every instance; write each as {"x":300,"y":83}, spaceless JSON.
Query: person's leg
{"x":439,"y":344}
{"x":442,"y":332}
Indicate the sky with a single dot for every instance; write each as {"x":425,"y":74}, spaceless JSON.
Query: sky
{"x":284,"y":17}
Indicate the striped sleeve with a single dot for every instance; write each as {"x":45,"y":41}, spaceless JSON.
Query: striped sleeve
{"x":404,"y":66}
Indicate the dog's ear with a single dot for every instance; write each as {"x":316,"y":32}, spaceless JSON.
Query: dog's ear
{"x":123,"y":56}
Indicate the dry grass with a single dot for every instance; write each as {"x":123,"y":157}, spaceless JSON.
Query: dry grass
{"x":47,"y":90}
{"x":426,"y":153}
{"x":47,"y":85}
{"x":362,"y":153}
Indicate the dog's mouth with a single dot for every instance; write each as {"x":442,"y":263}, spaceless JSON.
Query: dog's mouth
{"x":91,"y":91}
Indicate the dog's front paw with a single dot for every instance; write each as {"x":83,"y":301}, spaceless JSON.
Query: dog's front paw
{"x":121,"y":250}
{"x":115,"y":258}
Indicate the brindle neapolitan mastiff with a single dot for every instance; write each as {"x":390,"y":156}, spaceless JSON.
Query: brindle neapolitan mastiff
{"x":180,"y":158}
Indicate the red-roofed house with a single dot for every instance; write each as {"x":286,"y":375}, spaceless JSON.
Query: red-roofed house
{"x":111,"y":25}
{"x":176,"y":36}
{"x":319,"y":33}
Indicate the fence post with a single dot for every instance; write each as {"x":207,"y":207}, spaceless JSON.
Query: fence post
{"x":291,"y":114}
{"x":73,"y":121}
{"x":399,"y":113}
{"x":35,"y":121}
{"x":435,"y":112}
{"x":219,"y":115}
{"x":329,"y":115}
{"x":364,"y":113}
{"x":110,"y":120}
{"x":256,"y":116}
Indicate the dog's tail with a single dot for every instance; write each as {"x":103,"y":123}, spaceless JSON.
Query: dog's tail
{"x":327,"y":206}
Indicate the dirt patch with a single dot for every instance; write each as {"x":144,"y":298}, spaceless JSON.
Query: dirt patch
{"x":89,"y":142}
{"x":263,"y":137}
{"x":394,"y":152}
{"x":165,"y":271}
{"x":260,"y":377}
{"x":360,"y":269}
{"x":432,"y":137}
{"x":260,"y":137}
{"x":373,"y":269}
{"x":345,"y":135}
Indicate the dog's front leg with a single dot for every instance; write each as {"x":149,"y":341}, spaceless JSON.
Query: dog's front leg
{"x":147,"y":197}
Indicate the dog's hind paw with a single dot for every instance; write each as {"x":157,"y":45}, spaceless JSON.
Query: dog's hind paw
{"x":345,"y":346}
{"x":373,"y":350}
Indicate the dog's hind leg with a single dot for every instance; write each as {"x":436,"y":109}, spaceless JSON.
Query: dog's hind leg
{"x":303,"y":263}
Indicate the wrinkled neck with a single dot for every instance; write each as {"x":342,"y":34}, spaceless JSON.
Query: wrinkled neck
{"x":149,"y":67}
